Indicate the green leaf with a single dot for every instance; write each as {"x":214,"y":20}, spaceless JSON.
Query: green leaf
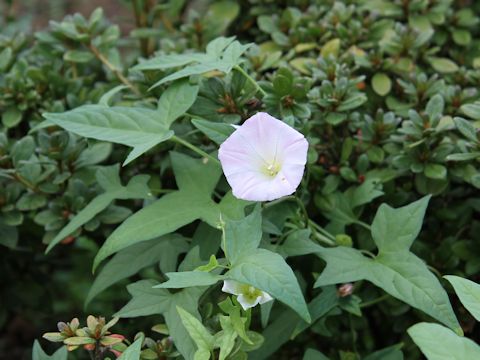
{"x":335,"y":118}
{"x":319,"y":307}
{"x":176,"y":100}
{"x":276,"y":334}
{"x":217,"y":46}
{"x":196,"y":181}
{"x":9,"y":236}
{"x":366,"y":193}
{"x":6,"y":56}
{"x":331,"y":47}
{"x":211,"y":265}
{"x":226,"y":341}
{"x":39,"y":354}
{"x":268,"y":272}
{"x":128,"y":262}
{"x":139,"y":128}
{"x":200,"y":335}
{"x":93,"y":154}
{"x":197,"y":69}
{"x":242,"y":237}
{"x":352,"y":102}
{"x":435,"y":171}
{"x":463,"y":156}
{"x":149,"y":301}
{"x":238,"y":322}
{"x":109,"y":179}
{"x":337,"y":207}
{"x":461,"y":37}
{"x":381,"y":84}
{"x":107,"y":97}
{"x":471,"y":110}
{"x":133,"y":351}
{"x":389,"y":353}
{"x":466,"y":128}
{"x":79,"y":340}
{"x":53,"y":337}
{"x":78,"y":56}
{"x":435,"y":107}
{"x":438,"y":342}
{"x":443,"y":65}
{"x":217,"y":132}
{"x":183,"y":279}
{"x":396,"y":270}
{"x":312,"y":354}
{"x":164,"y":62}
{"x":31,"y":201}
{"x":220,"y":15}
{"x":395,"y":230}
{"x":468,"y":292}
{"x":222,"y":55}
{"x":11,"y":117}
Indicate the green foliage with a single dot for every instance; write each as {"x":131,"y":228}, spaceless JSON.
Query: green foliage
{"x":133,"y":351}
{"x":438,"y":342}
{"x":39,"y":354}
{"x":468,"y":292}
{"x":385,"y":92}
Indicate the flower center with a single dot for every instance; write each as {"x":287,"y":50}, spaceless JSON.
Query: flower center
{"x":251,"y":292}
{"x":272,"y":169}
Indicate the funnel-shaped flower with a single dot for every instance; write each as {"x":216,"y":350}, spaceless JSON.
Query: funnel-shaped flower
{"x":263,"y":159}
{"x":247,"y":295}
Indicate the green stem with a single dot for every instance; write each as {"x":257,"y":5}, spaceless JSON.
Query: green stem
{"x":249,"y":78}
{"x":303,"y":209}
{"x":194,"y":148}
{"x":374,"y":301}
{"x":364,"y":225}
{"x":353,"y":333}
{"x":323,"y":239}
{"x":113,"y":69}
{"x":321,"y":230}
{"x":162,"y":191}
{"x":278,"y":201}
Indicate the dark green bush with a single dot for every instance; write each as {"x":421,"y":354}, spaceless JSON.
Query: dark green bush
{"x":386,"y":93}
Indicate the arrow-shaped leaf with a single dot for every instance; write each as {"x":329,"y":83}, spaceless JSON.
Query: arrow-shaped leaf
{"x":139,"y":128}
{"x":196,"y":181}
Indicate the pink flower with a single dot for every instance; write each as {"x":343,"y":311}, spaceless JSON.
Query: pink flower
{"x":263,"y":159}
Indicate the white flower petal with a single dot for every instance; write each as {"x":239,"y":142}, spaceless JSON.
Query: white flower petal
{"x":247,"y":302}
{"x":231,"y":287}
{"x":265,"y":298}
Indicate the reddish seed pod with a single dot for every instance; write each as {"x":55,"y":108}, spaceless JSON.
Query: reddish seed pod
{"x":89,"y":347}
{"x":333,"y":169}
{"x":345,"y":290}
{"x":68,"y":240}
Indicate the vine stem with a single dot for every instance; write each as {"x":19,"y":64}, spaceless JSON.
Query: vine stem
{"x":113,"y":69}
{"x":364,"y":225}
{"x":249,"y":78}
{"x":375,"y":301}
{"x":322,"y":231}
{"x":194,"y":148}
{"x":323,"y":238}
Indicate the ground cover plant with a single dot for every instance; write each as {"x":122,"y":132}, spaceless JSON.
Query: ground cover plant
{"x":242,"y":180}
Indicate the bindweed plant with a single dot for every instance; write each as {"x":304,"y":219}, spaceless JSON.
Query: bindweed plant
{"x":265,"y":179}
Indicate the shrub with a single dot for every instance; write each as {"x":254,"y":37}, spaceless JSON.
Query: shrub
{"x":109,"y":153}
